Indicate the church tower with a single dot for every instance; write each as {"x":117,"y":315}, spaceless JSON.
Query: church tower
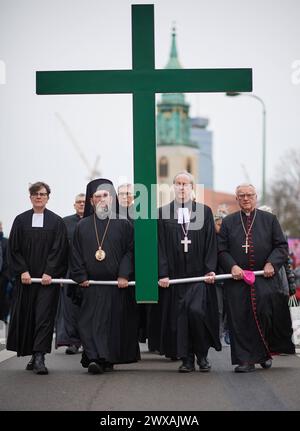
{"x":175,"y":150}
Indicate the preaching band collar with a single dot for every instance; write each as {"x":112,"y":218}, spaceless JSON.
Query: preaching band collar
{"x":187,"y":204}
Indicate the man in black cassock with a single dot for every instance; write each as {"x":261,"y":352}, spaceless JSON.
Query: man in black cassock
{"x":38,"y":248}
{"x":251,"y":239}
{"x":68,"y":308}
{"x":148,"y":314}
{"x":103,"y":250}
{"x":282,"y":322}
{"x":126,"y":198}
{"x":187,"y":248}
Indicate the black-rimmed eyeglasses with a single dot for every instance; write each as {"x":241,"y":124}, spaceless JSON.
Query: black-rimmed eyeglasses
{"x":43,"y":195}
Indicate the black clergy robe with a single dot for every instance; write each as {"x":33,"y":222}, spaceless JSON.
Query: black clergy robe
{"x":189,"y":312}
{"x":37,"y":250}
{"x":68,"y":311}
{"x":108,"y":321}
{"x":253,"y":324}
{"x":4,"y":280}
{"x":148,"y":314}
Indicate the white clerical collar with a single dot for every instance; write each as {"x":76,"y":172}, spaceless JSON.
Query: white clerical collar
{"x":38,"y":220}
{"x":183,"y":215}
{"x":248,"y":213}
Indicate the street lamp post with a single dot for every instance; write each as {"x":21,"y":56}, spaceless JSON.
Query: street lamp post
{"x":233,"y":93}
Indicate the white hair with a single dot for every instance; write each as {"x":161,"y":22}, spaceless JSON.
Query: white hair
{"x":244,"y":185}
{"x":190,"y":176}
{"x":80,"y":195}
{"x":127,"y":185}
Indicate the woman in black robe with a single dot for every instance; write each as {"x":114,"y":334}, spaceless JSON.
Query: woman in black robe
{"x":38,"y":248}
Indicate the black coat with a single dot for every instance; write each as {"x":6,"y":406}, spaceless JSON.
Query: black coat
{"x":189,"y":311}
{"x":37,"y":250}
{"x":108,"y":321}
{"x":250,"y":332}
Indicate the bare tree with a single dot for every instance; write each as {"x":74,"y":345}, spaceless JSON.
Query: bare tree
{"x":284,"y":194}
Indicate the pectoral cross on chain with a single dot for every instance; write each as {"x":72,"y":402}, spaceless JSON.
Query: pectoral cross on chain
{"x":186,"y":242}
{"x":246,"y":246}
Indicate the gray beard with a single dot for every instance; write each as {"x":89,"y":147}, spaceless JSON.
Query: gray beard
{"x":102,"y":212}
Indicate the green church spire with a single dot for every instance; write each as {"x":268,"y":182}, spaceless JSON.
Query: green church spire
{"x":173,"y":122}
{"x":173,"y":62}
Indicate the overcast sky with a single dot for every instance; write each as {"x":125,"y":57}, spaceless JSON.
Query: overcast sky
{"x":95,"y":34}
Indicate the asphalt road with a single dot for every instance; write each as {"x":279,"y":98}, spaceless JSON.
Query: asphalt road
{"x":153,"y":384}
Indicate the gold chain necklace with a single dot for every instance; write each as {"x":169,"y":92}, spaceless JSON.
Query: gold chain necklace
{"x":100,"y":254}
{"x":246,"y":246}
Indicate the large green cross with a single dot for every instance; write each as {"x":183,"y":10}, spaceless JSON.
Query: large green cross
{"x":143,"y":81}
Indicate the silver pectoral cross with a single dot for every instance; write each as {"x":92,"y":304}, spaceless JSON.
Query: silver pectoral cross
{"x":186,"y":242}
{"x":246,"y":246}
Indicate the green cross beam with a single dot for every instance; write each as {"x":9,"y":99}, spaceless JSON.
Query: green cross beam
{"x":143,"y":81}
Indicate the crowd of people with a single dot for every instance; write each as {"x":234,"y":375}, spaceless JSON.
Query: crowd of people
{"x":104,"y":323}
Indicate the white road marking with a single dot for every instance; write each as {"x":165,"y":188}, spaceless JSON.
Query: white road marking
{"x":5,"y":354}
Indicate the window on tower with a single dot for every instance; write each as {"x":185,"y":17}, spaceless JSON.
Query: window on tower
{"x":189,"y":165}
{"x":163,"y":167}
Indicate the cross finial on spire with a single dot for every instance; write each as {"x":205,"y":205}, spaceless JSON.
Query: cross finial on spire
{"x":174,"y":28}
{"x":173,"y":62}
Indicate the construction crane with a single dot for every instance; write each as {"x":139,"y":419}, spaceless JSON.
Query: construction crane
{"x":94,"y":172}
{"x":246,"y":175}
